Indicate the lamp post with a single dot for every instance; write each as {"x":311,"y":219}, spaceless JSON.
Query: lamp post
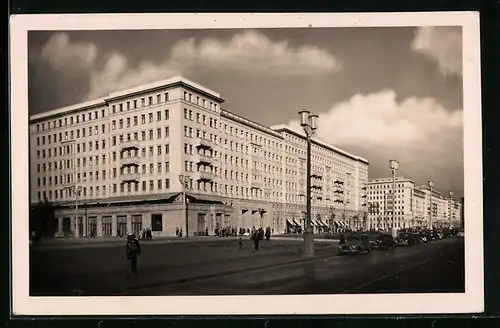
{"x":393,"y":165}
{"x":184,"y":180}
{"x":308,"y":122}
{"x":431,"y":185}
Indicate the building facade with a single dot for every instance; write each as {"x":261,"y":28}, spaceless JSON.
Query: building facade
{"x":412,"y":206}
{"x":114,"y":165}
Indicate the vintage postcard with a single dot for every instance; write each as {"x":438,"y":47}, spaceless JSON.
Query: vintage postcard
{"x":202,"y":164}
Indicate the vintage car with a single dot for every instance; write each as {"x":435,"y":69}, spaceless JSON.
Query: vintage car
{"x":355,"y":244}
{"x":406,"y":239}
{"x":383,"y":241}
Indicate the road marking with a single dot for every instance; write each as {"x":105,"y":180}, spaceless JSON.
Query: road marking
{"x":386,"y":276}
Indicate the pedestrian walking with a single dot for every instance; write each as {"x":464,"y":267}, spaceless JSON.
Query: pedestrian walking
{"x":256,"y":240}
{"x":240,"y":244}
{"x":342,"y":239}
{"x":132,"y":251}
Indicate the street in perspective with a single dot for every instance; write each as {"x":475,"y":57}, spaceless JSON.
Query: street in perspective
{"x":313,"y":172}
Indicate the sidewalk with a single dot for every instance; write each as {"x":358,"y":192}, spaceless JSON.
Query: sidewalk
{"x":100,"y":241}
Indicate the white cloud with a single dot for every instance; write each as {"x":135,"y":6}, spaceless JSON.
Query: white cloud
{"x":116,"y":74}
{"x":248,"y":51}
{"x":63,"y":54}
{"x":442,"y":44}
{"x":378,"y":119}
{"x":425,"y":137}
{"x":252,"y":50}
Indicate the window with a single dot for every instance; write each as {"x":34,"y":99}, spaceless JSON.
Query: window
{"x":167,"y":114}
{"x":167,"y":132}
{"x":158,"y":116}
{"x":156,"y":222}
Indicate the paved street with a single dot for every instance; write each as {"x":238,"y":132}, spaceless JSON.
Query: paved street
{"x":218,"y":267}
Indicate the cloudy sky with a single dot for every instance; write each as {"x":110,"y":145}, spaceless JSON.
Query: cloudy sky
{"x":381,"y":93}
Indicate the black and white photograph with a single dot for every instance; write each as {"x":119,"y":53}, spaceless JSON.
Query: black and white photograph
{"x":246,"y":164}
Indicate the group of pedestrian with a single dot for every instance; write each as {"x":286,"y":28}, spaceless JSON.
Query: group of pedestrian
{"x":147,"y":234}
{"x":178,"y":232}
{"x":226,"y":232}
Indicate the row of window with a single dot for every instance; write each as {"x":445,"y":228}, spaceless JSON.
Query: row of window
{"x":134,"y":120}
{"x":94,"y":161}
{"x":76,"y":119}
{"x":140,"y":103}
{"x":195,"y":99}
{"x":70,"y":135}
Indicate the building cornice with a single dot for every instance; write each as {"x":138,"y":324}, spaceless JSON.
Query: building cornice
{"x":178,"y":81}
{"x":317,"y":142}
{"x":249,"y":123}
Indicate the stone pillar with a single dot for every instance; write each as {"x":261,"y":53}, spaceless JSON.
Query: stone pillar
{"x":76,"y":227}
{"x":146,"y":221}
{"x":85,"y":224}
{"x":129,"y":223}
{"x":114,"y":225}
{"x":59,"y":226}
{"x":99,"y":226}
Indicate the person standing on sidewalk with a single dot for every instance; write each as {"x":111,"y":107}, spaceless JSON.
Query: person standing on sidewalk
{"x":132,"y":251}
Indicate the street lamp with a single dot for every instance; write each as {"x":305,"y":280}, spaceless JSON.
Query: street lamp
{"x":308,"y":122}
{"x":184,"y":180}
{"x":393,"y":165}
{"x":450,"y":210}
{"x":431,"y":185}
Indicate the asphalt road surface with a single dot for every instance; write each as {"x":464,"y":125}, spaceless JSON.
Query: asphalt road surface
{"x":218,"y":268}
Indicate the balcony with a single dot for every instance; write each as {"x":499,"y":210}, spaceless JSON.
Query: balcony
{"x":130,"y":177}
{"x":204,"y":159}
{"x":204,"y":143}
{"x":316,"y":184}
{"x":256,"y":185}
{"x":316,"y":174}
{"x":203,"y":176}
{"x":129,"y":144}
{"x":316,"y":194}
{"x":130,"y":161}
{"x":255,"y":143}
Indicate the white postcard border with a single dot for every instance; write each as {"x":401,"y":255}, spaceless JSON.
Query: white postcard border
{"x":472,"y":301}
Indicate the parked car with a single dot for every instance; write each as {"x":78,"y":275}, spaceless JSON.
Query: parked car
{"x":405,"y":240}
{"x":383,"y":241}
{"x":355,"y":244}
{"x":460,"y":233}
{"x":437,"y":235}
{"x":426,"y":236}
{"x":418,"y":239}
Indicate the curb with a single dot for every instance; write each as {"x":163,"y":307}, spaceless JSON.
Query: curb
{"x":214,"y":275}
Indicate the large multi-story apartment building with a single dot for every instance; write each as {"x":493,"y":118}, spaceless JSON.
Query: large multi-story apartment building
{"x":123,"y":163}
{"x":411,"y":206}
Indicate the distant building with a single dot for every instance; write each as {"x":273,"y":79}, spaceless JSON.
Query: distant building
{"x":120,"y":159}
{"x":411,"y":206}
